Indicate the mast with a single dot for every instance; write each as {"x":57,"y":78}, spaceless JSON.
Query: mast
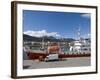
{"x":43,"y":43}
{"x":79,"y":34}
{"x":79,"y":38}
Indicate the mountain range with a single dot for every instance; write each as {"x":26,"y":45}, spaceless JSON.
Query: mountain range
{"x":46,"y":38}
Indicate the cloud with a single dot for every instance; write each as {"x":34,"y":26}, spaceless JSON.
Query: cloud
{"x":41,"y":33}
{"x":86,"y":15}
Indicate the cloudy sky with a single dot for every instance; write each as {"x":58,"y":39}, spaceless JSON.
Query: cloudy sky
{"x":57,"y":24}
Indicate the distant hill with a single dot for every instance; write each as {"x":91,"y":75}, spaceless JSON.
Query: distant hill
{"x":46,"y":38}
{"x":31,"y":38}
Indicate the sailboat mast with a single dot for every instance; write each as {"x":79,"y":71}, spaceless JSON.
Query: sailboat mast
{"x":79,"y":34}
{"x":43,"y":42}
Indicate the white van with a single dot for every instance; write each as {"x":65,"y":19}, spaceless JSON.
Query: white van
{"x":51,"y":57}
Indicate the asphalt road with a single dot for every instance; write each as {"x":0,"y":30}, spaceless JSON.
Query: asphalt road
{"x":69,"y":62}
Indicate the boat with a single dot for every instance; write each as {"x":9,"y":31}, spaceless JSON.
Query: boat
{"x":41,"y":55}
{"x":82,"y":45}
{"x":81,"y":48}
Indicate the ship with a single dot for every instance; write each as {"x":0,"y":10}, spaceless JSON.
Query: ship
{"x":52,"y":50}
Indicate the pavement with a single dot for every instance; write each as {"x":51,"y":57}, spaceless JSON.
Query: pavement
{"x":66,"y":62}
